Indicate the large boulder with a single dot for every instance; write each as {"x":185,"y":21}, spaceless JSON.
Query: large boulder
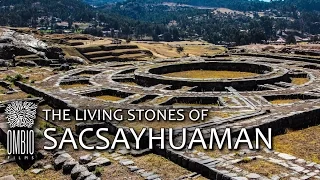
{"x":7,"y":50}
{"x":101,"y":161}
{"x":77,"y":169}
{"x":76,"y":60}
{"x":61,"y":159}
{"x":53,"y":52}
{"x":85,"y":159}
{"x":68,"y":166}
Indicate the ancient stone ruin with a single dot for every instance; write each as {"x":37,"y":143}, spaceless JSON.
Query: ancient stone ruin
{"x":280,"y":93}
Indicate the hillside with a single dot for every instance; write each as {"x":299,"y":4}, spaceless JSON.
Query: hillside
{"x":100,"y":2}
{"x":23,"y":12}
{"x":243,"y":5}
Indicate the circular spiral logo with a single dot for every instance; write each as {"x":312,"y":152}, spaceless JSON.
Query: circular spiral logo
{"x":21,"y":114}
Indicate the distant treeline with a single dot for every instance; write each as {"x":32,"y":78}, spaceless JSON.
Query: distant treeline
{"x":138,"y":19}
{"x":245,"y":5}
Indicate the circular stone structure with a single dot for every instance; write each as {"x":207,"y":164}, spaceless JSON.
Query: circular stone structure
{"x":247,"y":102}
{"x":284,"y":94}
{"x":152,"y":75}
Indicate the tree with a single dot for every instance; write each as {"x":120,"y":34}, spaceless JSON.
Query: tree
{"x":155,"y":37}
{"x":291,"y":39}
{"x":175,"y":34}
{"x":167,"y":37}
{"x":257,"y":35}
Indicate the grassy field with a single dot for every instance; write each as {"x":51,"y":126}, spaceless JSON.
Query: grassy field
{"x":169,"y":49}
{"x":299,"y":81}
{"x":14,"y":96}
{"x":263,"y":168}
{"x":109,"y":98}
{"x":284,"y":101}
{"x":162,"y":166}
{"x":302,"y":144}
{"x":33,"y":74}
{"x":19,"y":174}
{"x":209,"y":74}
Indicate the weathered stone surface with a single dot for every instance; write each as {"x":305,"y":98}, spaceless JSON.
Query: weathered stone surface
{"x":10,"y":177}
{"x":41,"y":154}
{"x":146,"y":174}
{"x":253,"y":176}
{"x":140,"y":171}
{"x":123,"y":151}
{"x":68,"y":166}
{"x":92,"y":177}
{"x":96,"y":154}
{"x":77,"y":169}
{"x":300,"y":161}
{"x":91,"y":166}
{"x":133,"y":168}
{"x":98,"y":162}
{"x":297,"y":168}
{"x":83,"y":175}
{"x":240,"y":178}
{"x":59,"y":161}
{"x":64,"y":67}
{"x":101,"y":161}
{"x":38,"y":164}
{"x":286,"y":156}
{"x":271,"y":118}
{"x":85,"y":159}
{"x":37,"y":171}
{"x":48,"y":166}
{"x":126,"y":162}
{"x":59,"y":153}
{"x":139,"y":152}
{"x":152,"y":177}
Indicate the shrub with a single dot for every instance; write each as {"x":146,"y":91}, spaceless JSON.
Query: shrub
{"x":14,"y":79}
{"x":98,"y":171}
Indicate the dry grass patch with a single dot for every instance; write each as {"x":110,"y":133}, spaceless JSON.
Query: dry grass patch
{"x":3,"y":90}
{"x":284,"y":101}
{"x":299,"y":81}
{"x":20,"y":174}
{"x":74,"y":86}
{"x":197,"y":50}
{"x":18,"y":95}
{"x":263,"y":168}
{"x":210,"y":74}
{"x":222,"y":114}
{"x":116,"y":171}
{"x":33,"y":73}
{"x":159,"y":165}
{"x":169,"y":50}
{"x":303,"y":143}
{"x":109,"y":98}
